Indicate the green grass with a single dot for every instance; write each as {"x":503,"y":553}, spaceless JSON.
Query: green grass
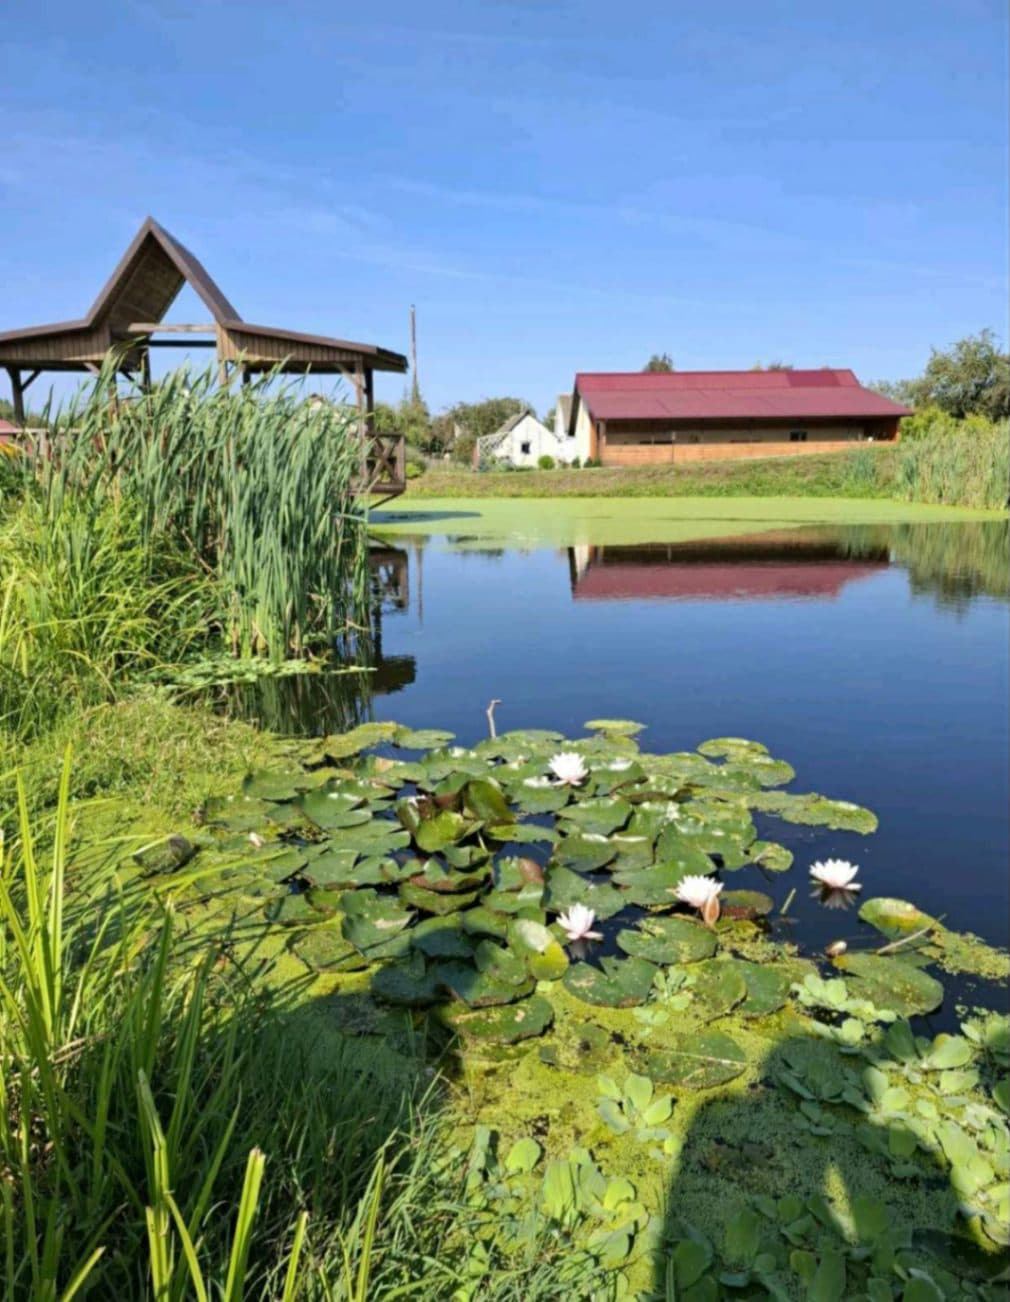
{"x":571,"y":521}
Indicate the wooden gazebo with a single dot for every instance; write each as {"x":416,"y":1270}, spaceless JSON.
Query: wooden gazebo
{"x":128,"y":316}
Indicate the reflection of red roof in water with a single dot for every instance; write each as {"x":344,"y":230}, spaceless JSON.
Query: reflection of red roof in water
{"x":715,"y":580}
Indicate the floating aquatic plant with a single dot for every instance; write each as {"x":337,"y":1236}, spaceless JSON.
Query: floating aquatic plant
{"x":577,"y":923}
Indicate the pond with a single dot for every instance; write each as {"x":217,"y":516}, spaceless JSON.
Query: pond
{"x":872,"y":658}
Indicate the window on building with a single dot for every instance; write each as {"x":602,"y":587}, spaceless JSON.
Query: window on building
{"x":798,"y":436}
{"x":524,"y":448}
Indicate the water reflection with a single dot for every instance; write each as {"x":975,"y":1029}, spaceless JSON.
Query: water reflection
{"x":793,"y":564}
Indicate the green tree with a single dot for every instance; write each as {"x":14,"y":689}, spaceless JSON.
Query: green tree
{"x":659,"y":363}
{"x":970,"y":377}
{"x":484,"y":417}
{"x":772,"y":366}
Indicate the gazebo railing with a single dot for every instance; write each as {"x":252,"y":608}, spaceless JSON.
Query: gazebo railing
{"x":384,"y":471}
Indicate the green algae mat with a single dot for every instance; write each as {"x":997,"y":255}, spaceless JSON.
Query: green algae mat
{"x":570,"y":521}
{"x":642,"y":1061}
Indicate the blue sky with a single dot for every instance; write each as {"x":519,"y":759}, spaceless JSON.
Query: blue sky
{"x":557,"y":186}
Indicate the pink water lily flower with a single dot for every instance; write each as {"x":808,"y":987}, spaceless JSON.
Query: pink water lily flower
{"x":577,"y":923}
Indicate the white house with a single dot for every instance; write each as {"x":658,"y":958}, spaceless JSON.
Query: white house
{"x":521,"y":441}
{"x":573,"y":438}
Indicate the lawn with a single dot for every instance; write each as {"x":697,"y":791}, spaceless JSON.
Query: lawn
{"x":568,"y":521}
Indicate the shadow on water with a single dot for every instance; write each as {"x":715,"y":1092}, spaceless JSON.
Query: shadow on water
{"x":791,"y":1190}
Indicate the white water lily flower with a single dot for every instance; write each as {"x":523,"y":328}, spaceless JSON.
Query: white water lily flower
{"x":697,"y":891}
{"x":836,"y":875}
{"x":256,"y":840}
{"x":569,"y":768}
{"x":577,"y":923}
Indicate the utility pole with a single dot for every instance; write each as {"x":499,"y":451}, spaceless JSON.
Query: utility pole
{"x":415,"y":388}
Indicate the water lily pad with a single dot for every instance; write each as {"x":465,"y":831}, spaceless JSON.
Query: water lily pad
{"x":770,"y":855}
{"x":696,"y":1060}
{"x":438,"y":902}
{"x":374,"y":923}
{"x":814,"y":810}
{"x":717,"y":987}
{"x":442,"y":937}
{"x":892,"y":984}
{"x":736,"y":748}
{"x":501,"y":981}
{"x":324,"y":949}
{"x":409,"y":983}
{"x":524,"y":901}
{"x":668,"y":940}
{"x":328,"y":810}
{"x":291,"y":910}
{"x":421,"y":738}
{"x":584,"y":852}
{"x":485,"y":800}
{"x":434,"y":875}
{"x":565,"y":887}
{"x":745,"y":904}
{"x":615,"y":727}
{"x":379,"y":837}
{"x":767,"y":987}
{"x":895,"y":918}
{"x":602,"y":814}
{"x":540,"y":798}
{"x":343,"y":745}
{"x":482,"y":921}
{"x":655,"y":886}
{"x":507,"y":1024}
{"x":521,"y":833}
{"x":617,"y":983}
{"x":271,"y":786}
{"x":444,"y":829}
{"x":544,"y":956}
{"x":511,"y":873}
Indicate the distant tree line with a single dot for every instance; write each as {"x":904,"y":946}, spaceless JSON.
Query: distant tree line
{"x":971,"y":378}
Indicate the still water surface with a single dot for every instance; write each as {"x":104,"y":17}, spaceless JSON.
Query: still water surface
{"x":873,"y":659}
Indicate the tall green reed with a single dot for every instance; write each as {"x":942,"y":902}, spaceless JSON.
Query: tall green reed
{"x":255,"y":484}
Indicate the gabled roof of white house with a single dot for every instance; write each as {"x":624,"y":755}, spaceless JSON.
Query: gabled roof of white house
{"x":491,"y":442}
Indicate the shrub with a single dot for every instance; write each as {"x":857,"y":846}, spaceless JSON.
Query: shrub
{"x":545,"y":462}
{"x":413,"y":470}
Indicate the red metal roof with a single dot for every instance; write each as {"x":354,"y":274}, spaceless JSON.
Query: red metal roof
{"x":722,"y":395}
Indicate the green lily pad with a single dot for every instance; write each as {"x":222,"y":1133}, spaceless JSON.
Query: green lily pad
{"x":522,"y":901}
{"x":324,"y":949}
{"x":485,"y":799}
{"x":506,"y":1024}
{"x":895,"y":918}
{"x":735,"y":748}
{"x":481,"y":921}
{"x":717,"y":986}
{"x":814,"y":810}
{"x":668,"y":940}
{"x":565,"y":887}
{"x":343,"y":745}
{"x":270,"y":786}
{"x":745,"y":904}
{"x":615,"y":727}
{"x":446,"y":828}
{"x":291,"y":910}
{"x":377,"y":838}
{"x":767,"y":987}
{"x":602,"y":814}
{"x":617,"y":983}
{"x":696,"y":1060}
{"x":655,"y":886}
{"x":544,"y":956}
{"x":521,"y":833}
{"x":442,"y":937}
{"x":374,"y":923}
{"x":890,"y":983}
{"x":769,"y":854}
{"x":421,"y":738}
{"x":511,"y":873}
{"x":498,"y":983}
{"x":540,"y":798}
{"x":409,"y":983}
{"x":438,"y":902}
{"x":329,"y":810}
{"x":584,"y":852}
{"x":433,"y":875}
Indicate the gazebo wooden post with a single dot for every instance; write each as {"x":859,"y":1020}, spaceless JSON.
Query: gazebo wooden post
{"x":17,"y":395}
{"x":361,"y":387}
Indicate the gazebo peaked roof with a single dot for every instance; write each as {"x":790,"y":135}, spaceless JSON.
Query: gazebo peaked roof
{"x":137,"y":296}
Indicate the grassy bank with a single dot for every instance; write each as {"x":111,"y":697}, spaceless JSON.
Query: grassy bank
{"x":969,"y":467}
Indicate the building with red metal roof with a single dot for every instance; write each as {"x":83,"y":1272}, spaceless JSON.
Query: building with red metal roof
{"x":641,"y":417}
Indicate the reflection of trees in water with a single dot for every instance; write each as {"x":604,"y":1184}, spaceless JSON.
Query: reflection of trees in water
{"x":953,"y":562}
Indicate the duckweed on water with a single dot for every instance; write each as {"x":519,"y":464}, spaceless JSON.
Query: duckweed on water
{"x":694,"y":1111}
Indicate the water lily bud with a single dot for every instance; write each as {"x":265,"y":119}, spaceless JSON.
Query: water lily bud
{"x":835,"y":948}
